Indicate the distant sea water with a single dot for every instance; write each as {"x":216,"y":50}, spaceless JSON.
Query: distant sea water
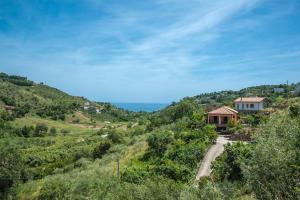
{"x":146,"y":107}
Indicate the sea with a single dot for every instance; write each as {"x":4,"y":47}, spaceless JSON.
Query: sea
{"x":145,"y":107}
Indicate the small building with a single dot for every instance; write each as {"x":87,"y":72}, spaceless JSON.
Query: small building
{"x":279,"y":90}
{"x":249,"y":104}
{"x":86,"y":105}
{"x":221,"y":116}
{"x":99,"y":110}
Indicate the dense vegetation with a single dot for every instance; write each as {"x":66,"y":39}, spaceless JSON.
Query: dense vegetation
{"x":51,"y":147}
{"x":270,"y":167}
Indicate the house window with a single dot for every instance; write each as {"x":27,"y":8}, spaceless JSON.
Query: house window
{"x":238,"y":106}
{"x":251,"y":105}
{"x":243,"y":106}
{"x":247,"y":105}
{"x":215,"y":119}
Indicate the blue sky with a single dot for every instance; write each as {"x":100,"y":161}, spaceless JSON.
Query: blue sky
{"x":150,"y":50}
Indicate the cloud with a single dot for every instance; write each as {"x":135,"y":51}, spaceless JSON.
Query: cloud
{"x":141,"y":50}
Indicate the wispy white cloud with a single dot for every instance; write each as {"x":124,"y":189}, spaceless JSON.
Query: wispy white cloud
{"x":141,"y":51}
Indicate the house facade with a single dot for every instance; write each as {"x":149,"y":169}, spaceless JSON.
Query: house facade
{"x":279,"y":90}
{"x":221,"y":116}
{"x":249,"y":104}
{"x":86,"y":105}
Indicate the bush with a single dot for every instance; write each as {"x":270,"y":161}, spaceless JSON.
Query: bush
{"x":158,"y":141}
{"x":21,"y":111}
{"x":27,"y":131}
{"x":134,"y":175}
{"x":273,"y":172}
{"x":229,"y":165}
{"x":6,"y":116}
{"x":294,"y":111}
{"x":115,"y":136}
{"x":173,"y":171}
{"x":55,"y":188}
{"x":76,"y":121}
{"x":138,"y":130}
{"x":102,"y":149}
{"x":11,"y":167}
{"x":65,"y":131}
{"x":53,"y":131}
{"x":40,"y":130}
{"x":187,"y":154}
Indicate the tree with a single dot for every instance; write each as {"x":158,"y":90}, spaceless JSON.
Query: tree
{"x":102,"y":149}
{"x":158,"y":141}
{"x":11,"y":167}
{"x":273,"y":171}
{"x":115,"y":136}
{"x":229,"y":165}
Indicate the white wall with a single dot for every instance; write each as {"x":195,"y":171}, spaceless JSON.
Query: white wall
{"x":257,"y":106}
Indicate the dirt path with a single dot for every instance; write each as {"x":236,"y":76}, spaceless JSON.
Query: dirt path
{"x":215,"y":150}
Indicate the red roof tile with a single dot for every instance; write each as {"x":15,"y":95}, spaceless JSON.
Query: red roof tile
{"x":224,"y":111}
{"x":249,"y":99}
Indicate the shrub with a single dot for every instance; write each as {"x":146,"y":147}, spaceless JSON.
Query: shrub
{"x":27,"y":131}
{"x":55,"y":188}
{"x":6,"y":116}
{"x":228,"y":165}
{"x":40,"y":130}
{"x":173,"y":171}
{"x":102,"y":149}
{"x":21,"y":111}
{"x":65,"y":131}
{"x":158,"y":141}
{"x":115,"y":136}
{"x":76,"y":121}
{"x":273,"y":172}
{"x":134,"y":175}
{"x":138,"y":130}
{"x":187,"y":154}
{"x":11,"y":167}
{"x":53,"y":131}
{"x":294,"y":111}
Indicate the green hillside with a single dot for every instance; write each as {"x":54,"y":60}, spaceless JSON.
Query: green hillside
{"x":53,"y":148}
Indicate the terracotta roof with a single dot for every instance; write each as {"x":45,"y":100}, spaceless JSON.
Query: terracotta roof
{"x":249,"y":99}
{"x":223,"y":111}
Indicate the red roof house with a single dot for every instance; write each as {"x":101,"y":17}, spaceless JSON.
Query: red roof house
{"x":221,"y":116}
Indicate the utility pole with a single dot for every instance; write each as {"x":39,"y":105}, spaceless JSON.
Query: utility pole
{"x":118,"y":167}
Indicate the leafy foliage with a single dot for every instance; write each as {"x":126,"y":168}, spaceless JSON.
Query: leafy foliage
{"x":11,"y":167}
{"x":229,"y":165}
{"x":273,"y":170}
{"x":102,"y":149}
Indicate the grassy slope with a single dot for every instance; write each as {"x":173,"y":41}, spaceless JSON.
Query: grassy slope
{"x":106,"y":167}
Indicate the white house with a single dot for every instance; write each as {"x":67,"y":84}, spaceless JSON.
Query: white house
{"x":86,"y":105}
{"x":249,"y":104}
{"x":279,"y":90}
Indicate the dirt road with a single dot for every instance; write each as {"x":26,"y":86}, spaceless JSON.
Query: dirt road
{"x":211,"y":155}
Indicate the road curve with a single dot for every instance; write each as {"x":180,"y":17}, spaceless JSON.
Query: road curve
{"x":214,"y":151}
